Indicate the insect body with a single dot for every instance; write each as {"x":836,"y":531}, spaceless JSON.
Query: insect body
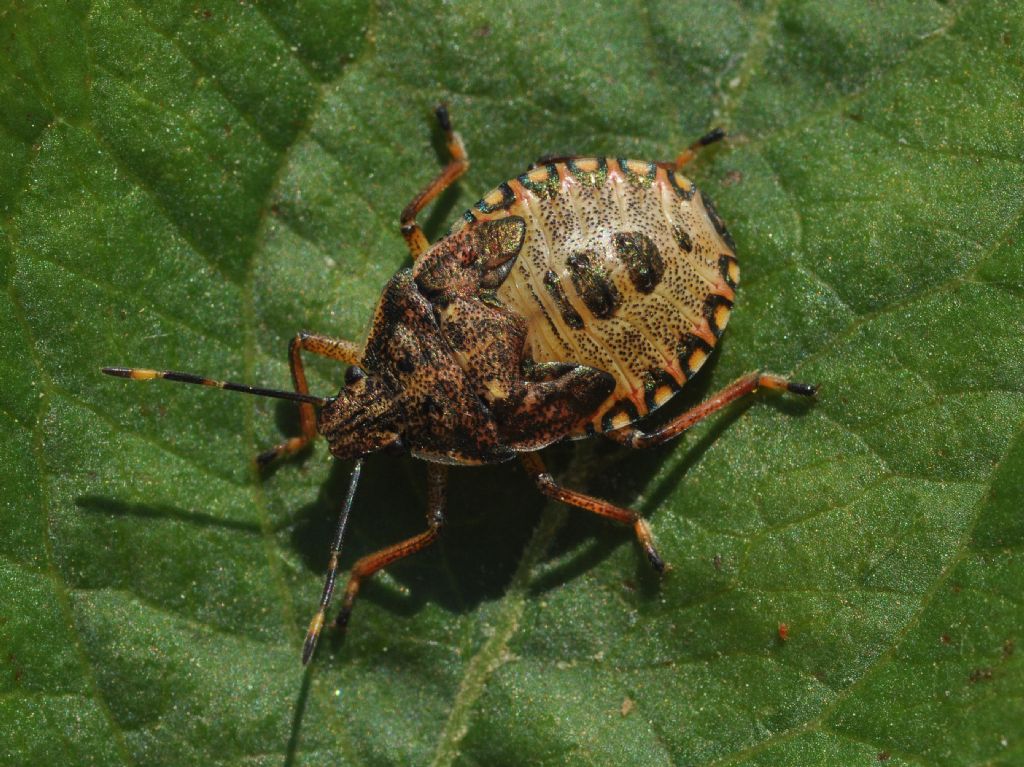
{"x":571,"y":300}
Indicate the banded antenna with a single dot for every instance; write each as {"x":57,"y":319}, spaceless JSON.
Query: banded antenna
{"x":141,"y":374}
{"x":317,"y":624}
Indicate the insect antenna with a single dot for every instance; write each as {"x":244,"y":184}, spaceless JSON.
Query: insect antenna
{"x":141,"y":374}
{"x":315,"y":625}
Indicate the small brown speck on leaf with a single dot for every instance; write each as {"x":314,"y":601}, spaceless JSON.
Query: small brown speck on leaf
{"x":18,"y":673}
{"x":945,"y":639}
{"x":980,"y":675}
{"x":883,"y":756}
{"x":732,"y":178}
{"x":628,"y":704}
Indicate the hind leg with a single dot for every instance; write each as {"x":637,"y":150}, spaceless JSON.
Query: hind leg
{"x":748,"y":384}
{"x":683,"y":158}
{"x":535,"y":468}
{"x":459,"y":164}
{"x":690,"y":153}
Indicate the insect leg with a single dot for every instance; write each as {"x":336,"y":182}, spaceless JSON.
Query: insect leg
{"x":459,"y":164}
{"x":437,"y":480}
{"x":633,"y":437}
{"x":333,"y":348}
{"x":538,"y":471}
{"x":687,"y":155}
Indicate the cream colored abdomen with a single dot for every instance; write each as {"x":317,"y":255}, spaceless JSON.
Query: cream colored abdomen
{"x":622,"y":269}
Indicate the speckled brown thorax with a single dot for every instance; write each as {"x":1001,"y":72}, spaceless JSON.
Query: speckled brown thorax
{"x":625,"y":267}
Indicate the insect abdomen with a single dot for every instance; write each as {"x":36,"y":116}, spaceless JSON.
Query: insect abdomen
{"x":625,"y":267}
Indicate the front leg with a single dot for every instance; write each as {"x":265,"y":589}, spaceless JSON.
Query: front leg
{"x":437,"y":482}
{"x":332,"y":348}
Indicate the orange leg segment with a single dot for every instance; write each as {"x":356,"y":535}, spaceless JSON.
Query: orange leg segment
{"x":633,"y":437}
{"x":538,"y":471}
{"x":332,"y":348}
{"x":437,"y":480}
{"x":690,"y":153}
{"x":459,"y":164}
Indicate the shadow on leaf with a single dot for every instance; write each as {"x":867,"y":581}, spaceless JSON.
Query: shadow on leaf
{"x":98,"y":504}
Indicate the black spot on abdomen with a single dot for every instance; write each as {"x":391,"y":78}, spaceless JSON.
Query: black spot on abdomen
{"x":683,"y":238}
{"x":592,"y":284}
{"x":692,"y":351}
{"x":659,"y":386}
{"x":622,"y":414}
{"x":642,"y":259}
{"x":569,"y":315}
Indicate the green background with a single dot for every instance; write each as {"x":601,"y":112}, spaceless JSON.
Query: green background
{"x":186,"y":185}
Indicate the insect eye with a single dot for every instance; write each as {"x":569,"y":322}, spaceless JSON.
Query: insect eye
{"x":354,"y":373}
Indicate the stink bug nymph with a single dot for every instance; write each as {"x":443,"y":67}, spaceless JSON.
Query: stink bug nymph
{"x":570,"y":301}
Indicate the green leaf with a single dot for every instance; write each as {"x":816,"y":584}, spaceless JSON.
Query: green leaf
{"x":187,"y":185}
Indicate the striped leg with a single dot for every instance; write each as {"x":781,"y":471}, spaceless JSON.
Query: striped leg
{"x":333,"y":348}
{"x":687,"y":155}
{"x":535,"y":468}
{"x":633,"y":437}
{"x":459,"y":164}
{"x":437,"y":482}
